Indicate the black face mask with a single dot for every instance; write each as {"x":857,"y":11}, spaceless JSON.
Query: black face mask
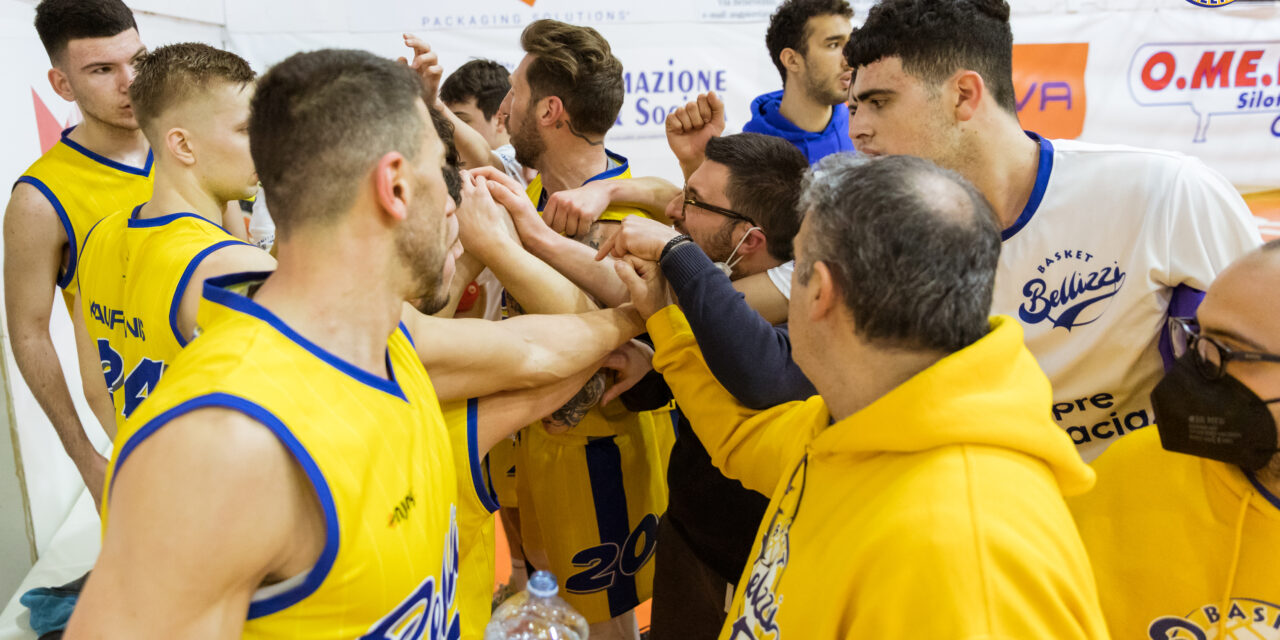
{"x":1217,"y":419}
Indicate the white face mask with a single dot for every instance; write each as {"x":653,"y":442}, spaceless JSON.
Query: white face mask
{"x":726,"y":267}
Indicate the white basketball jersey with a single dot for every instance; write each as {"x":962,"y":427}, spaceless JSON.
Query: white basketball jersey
{"x":1090,"y":266}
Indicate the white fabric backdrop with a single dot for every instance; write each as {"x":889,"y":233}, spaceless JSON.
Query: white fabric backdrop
{"x":673,"y":49}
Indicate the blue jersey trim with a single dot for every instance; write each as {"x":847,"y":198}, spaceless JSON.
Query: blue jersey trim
{"x":1271,"y":497}
{"x":103,"y":160}
{"x":609,"y":496}
{"x":185,"y":280}
{"x":215,"y":290}
{"x":159,"y":221}
{"x":1043,"y":170}
{"x":487,"y":499}
{"x":316,"y":576}
{"x":406,"y":334}
{"x":623,"y":165}
{"x":73,"y":256}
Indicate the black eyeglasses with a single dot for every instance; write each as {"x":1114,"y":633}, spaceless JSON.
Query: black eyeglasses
{"x":1211,"y":356}
{"x":712,"y":208}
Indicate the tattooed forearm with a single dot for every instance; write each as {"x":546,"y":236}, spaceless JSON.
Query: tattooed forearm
{"x":576,"y":409}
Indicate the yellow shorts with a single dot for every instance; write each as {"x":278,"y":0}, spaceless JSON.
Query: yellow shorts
{"x":590,"y":500}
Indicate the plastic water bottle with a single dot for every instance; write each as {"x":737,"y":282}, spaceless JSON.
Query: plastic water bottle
{"x":537,"y":613}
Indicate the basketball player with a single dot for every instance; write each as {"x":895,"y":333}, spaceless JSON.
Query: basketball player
{"x":1100,"y":243}
{"x":327,"y":421}
{"x":565,"y":95}
{"x":142,"y":269}
{"x":98,"y":167}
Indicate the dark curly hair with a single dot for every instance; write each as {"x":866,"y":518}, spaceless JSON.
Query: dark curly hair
{"x":936,"y":38}
{"x":789,"y":26}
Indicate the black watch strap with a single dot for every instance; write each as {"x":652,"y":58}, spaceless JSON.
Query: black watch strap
{"x":671,"y":244}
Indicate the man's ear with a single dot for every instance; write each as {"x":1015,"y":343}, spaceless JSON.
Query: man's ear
{"x":391,"y":185}
{"x":550,"y":111}
{"x":823,"y":292}
{"x":791,"y":60}
{"x":969,"y":90}
{"x":178,"y":141}
{"x":753,"y":242}
{"x":499,"y":124}
{"x":61,"y":84}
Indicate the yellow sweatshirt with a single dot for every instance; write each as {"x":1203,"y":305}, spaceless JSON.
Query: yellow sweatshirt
{"x":936,"y":512}
{"x":1183,"y":547}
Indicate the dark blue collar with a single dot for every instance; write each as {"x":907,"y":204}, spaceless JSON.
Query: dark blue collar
{"x":1043,"y":170}
{"x":612,"y":172}
{"x":103,"y":160}
{"x":159,"y":221}
{"x":218,"y":290}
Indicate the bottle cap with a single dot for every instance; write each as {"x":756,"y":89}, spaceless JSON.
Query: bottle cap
{"x":543,"y":584}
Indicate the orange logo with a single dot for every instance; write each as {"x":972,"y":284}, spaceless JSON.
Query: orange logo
{"x":528,"y":2}
{"x":1266,"y":210}
{"x":1048,"y":84}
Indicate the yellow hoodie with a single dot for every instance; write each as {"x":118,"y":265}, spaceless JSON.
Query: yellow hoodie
{"x":936,"y":512}
{"x":1183,"y":547}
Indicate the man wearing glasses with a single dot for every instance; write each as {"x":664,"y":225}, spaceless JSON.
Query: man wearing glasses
{"x":1206,"y":507}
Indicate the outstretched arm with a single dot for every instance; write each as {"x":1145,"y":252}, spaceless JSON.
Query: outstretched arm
{"x":573,"y":211}
{"x":472,"y":148}
{"x":472,"y":358}
{"x":485,"y":227}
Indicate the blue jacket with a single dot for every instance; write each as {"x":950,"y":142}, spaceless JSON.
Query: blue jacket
{"x":766,"y":119}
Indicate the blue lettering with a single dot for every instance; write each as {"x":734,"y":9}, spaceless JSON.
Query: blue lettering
{"x":1244,"y":100}
{"x":1275,"y":127}
{"x":1167,"y":628}
{"x":1040,"y":301}
{"x":642,"y":106}
{"x":720,"y":80}
{"x":1063,"y":93}
{"x":1027,"y":98}
{"x":1211,"y":614}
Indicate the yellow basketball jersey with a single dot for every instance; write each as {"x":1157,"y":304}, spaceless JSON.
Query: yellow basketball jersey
{"x":590,"y":500}
{"x":375,"y":450}
{"x":133,"y":275}
{"x":476,"y":505}
{"x":619,"y":168}
{"x":83,"y":188}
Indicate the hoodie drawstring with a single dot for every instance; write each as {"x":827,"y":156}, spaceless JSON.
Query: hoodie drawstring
{"x":1223,"y":608}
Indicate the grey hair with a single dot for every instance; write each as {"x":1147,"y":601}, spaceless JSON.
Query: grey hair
{"x":912,"y":249}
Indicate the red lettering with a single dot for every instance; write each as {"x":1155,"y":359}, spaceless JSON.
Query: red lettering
{"x":1208,"y":72}
{"x":1247,"y":66}
{"x":1160,"y":58}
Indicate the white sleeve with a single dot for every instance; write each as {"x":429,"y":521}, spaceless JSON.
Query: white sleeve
{"x":1209,"y":227}
{"x":780,"y":276}
{"x":262,"y":230}
{"x":507,"y":153}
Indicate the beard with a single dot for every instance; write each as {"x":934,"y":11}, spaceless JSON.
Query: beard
{"x":719,"y":246}
{"x":423,"y":254}
{"x":825,"y":90}
{"x":524,"y":137}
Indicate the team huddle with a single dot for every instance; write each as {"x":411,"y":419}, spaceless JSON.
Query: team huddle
{"x":883,"y":366}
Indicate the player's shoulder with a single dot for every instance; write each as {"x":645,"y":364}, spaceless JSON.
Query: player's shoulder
{"x":1112,"y":157}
